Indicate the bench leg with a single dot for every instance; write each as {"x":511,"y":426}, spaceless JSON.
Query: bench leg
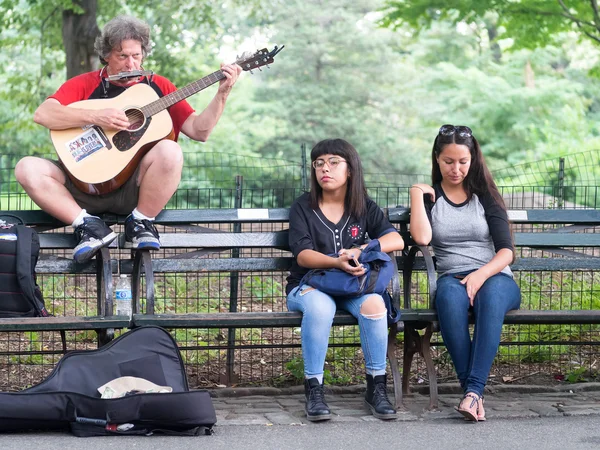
{"x":142,"y":259}
{"x":391,"y":350}
{"x":105,"y":336}
{"x":413,"y":343}
{"x":104,"y":283}
{"x":411,"y":339}
{"x":431,"y":373}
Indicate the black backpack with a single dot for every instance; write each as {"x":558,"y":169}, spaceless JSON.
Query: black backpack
{"x":20,"y":296}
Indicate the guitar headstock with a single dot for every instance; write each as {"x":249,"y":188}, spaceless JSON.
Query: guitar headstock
{"x":250,"y":61}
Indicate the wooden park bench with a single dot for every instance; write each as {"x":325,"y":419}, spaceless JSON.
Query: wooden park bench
{"x":203,"y":247}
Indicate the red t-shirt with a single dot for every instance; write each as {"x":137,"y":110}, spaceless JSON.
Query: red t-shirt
{"x":88,"y":86}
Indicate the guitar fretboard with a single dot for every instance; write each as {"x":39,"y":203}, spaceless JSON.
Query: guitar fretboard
{"x":180,"y":94}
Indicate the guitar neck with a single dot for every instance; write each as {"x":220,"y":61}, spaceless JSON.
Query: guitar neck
{"x":183,"y":93}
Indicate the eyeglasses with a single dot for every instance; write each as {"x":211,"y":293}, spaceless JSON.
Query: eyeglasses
{"x":461,"y":130}
{"x":332,"y":162}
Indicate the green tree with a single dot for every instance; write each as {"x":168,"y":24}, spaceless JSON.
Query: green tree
{"x":531,"y":23}
{"x":339,"y":76}
{"x":536,"y":104}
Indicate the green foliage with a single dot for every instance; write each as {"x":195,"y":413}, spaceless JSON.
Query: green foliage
{"x":531,"y":23}
{"x":339,"y":362}
{"x":263,"y":288}
{"x":179,"y":294}
{"x":577,"y":375}
{"x":337,"y":77}
{"x":296,"y":367}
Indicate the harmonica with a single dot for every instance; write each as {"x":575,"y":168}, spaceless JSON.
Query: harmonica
{"x":130,"y":74}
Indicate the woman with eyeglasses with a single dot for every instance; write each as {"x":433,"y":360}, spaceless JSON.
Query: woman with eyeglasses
{"x":464,"y":219}
{"x":334,"y":218}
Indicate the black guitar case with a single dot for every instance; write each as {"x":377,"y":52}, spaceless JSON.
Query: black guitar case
{"x":68,"y":398}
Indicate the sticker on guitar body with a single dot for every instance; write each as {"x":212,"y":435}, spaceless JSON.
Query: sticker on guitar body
{"x":85,"y":144}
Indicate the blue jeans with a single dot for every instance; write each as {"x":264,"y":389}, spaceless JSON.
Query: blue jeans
{"x":473,"y":358}
{"x":317,"y":310}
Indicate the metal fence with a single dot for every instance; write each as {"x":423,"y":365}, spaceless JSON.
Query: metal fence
{"x":272,"y":356}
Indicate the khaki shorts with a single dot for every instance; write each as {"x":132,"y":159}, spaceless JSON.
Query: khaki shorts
{"x":121,"y":201}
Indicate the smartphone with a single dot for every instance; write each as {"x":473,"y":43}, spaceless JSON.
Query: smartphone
{"x":354,"y":262}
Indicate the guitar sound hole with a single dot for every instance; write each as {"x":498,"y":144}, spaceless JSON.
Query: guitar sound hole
{"x":136,"y":119}
{"x":124,"y":140}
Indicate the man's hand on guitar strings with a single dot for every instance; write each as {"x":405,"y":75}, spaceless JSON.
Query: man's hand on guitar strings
{"x":111,"y":119}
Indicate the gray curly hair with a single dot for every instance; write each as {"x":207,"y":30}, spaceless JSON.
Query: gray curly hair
{"x":119,"y":29}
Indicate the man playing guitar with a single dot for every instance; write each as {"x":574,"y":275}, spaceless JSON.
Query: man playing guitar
{"x":122,"y":47}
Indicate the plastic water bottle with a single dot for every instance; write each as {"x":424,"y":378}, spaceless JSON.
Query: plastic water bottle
{"x":123,"y":296}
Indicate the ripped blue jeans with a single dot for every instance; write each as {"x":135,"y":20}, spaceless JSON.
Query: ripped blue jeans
{"x":318,"y":309}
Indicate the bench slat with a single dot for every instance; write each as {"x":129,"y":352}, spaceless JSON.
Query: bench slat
{"x":35,"y":217}
{"x":556,"y":216}
{"x":59,"y":241}
{"x":293,"y":319}
{"x":63,"y":323}
{"x":244,"y":215}
{"x":214,"y":265}
{"x":554,"y":240}
{"x":53,"y":265}
{"x":246,"y":319}
{"x":225,"y":320}
{"x":526,"y":316}
{"x":174,"y":265}
{"x":217,"y":240}
{"x":556,"y":264}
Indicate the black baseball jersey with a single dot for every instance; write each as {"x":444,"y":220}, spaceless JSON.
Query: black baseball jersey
{"x":310,"y":229}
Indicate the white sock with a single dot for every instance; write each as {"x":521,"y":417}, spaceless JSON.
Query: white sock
{"x":139,"y":216}
{"x":375,"y":373}
{"x":79,"y":219}
{"x":318,"y":377}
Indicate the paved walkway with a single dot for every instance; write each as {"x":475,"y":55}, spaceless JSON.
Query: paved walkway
{"x":272,"y":406}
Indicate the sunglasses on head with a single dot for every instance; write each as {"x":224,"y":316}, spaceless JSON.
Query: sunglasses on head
{"x":461,"y":130}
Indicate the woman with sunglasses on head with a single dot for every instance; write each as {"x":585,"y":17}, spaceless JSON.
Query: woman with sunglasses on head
{"x":334,"y":219}
{"x":464,"y":219}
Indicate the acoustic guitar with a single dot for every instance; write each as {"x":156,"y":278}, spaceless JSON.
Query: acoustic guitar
{"x":100,"y":161}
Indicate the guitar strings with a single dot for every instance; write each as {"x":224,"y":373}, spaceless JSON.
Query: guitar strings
{"x":136,"y":118}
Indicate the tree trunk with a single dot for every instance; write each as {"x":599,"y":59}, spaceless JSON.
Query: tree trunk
{"x":492,"y":31}
{"x":79,"y":33}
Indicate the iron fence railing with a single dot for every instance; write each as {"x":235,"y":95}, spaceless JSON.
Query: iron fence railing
{"x":273,"y":356}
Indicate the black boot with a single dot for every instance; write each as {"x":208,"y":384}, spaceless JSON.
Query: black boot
{"x":316,"y":408}
{"x":377,"y":399}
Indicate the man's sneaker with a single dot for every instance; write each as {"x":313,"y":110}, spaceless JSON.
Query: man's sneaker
{"x":92,"y":234}
{"x":141,"y":233}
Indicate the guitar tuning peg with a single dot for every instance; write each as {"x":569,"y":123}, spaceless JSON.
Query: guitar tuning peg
{"x":260,"y":69}
{"x":251,"y":73}
{"x":267,"y":66}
